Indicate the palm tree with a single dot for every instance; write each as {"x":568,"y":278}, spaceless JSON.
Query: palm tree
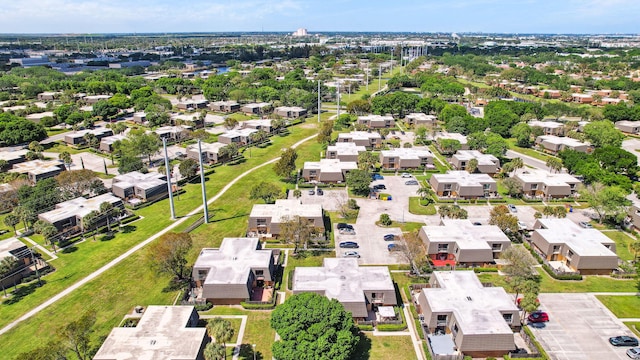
{"x":425,"y":193}
{"x":214,"y":351}
{"x":220,"y":330}
{"x":117,"y":213}
{"x":6,"y":267}
{"x":66,"y":159}
{"x":91,"y":220}
{"x":517,"y":163}
{"x":106,"y":208}
{"x":444,"y":211}
{"x":548,"y":211}
{"x":635,"y":249}
{"x":12,"y":220}
{"x":49,"y":232}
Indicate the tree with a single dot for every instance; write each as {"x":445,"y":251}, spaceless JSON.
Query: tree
{"x":554,"y":164}
{"x":230,"y":122}
{"x":143,"y":144}
{"x":385,"y":220}
{"x":66,"y":159}
{"x":449,"y":146}
{"x":412,"y":247}
{"x":634,"y":247}
{"x":472,"y":166}
{"x":75,"y":183}
{"x":286,"y":164}
{"x":606,"y":201}
{"x":91,"y":220}
{"x":560,"y":212}
{"x":188,"y":168}
{"x":104,"y":109}
{"x":358,"y":182}
{"x":11,"y":220}
{"x":501,"y":217}
{"x":367,"y":161}
{"x":268,"y":192}
{"x":325,"y":131}
{"x":228,"y":152}
{"x":168,"y":254}
{"x":522,"y":133}
{"x":297,"y":231}
{"x":221,"y":330}
{"x":603,"y":133}
{"x":106,"y":209}
{"x":425,"y":193}
{"x":518,"y":268}
{"x":513,"y":186}
{"x":52,"y":350}
{"x":548,"y":211}
{"x":516,"y":163}
{"x":309,"y":323}
{"x":214,"y":351}
{"x":77,"y":335}
{"x":7,"y":265}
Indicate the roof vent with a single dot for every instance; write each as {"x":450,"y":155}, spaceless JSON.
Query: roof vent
{"x":469,"y":298}
{"x":343,"y":277}
{"x":153,"y":342}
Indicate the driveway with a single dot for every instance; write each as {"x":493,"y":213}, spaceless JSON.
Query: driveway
{"x":331,"y":200}
{"x":579,"y":328}
{"x":631,"y":145}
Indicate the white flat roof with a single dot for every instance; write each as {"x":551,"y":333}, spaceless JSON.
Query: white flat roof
{"x":259,"y":122}
{"x":583,"y":242}
{"x":453,"y":136}
{"x":408,"y":153}
{"x":545,"y":177}
{"x":9,"y":245}
{"x":477,"y":309}
{"x":331,"y":165}
{"x":463,"y":178}
{"x":360,"y":135}
{"x":113,"y":138}
{"x":628,"y":123}
{"x":342,"y":279}
{"x":557,"y":140}
{"x":232,"y":262}
{"x":37,"y":167}
{"x":466,"y":235}
{"x":346,"y":148}
{"x":13,"y":155}
{"x":239,"y":132}
{"x":78,"y":207}
{"x":207,"y":147}
{"x":283,"y":209}
{"x":421,"y":117}
{"x":546,"y":124}
{"x":483,"y":159}
{"x":374,"y":117}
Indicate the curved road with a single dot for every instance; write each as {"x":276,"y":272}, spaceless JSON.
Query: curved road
{"x":129,"y":252}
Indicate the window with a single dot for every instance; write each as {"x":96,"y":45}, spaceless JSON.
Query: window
{"x":447,"y":186}
{"x":261,"y":221}
{"x":534,"y":186}
{"x":486,"y":186}
{"x":569,"y":254}
{"x":442,"y":318}
{"x":443,"y":247}
{"x":508,"y":317}
{"x":313,"y":172}
{"x":202,"y":274}
{"x":259,"y":272}
{"x":497,"y":247}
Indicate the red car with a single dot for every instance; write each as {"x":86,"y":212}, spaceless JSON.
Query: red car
{"x":538,"y":317}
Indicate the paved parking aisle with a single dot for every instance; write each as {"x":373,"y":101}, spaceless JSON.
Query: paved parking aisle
{"x":579,"y":328}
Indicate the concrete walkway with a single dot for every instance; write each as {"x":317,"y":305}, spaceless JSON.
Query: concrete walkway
{"x":415,"y":339}
{"x":243,"y":326}
{"x":40,"y":247}
{"x":134,"y":249}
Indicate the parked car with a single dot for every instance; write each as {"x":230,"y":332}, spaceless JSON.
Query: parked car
{"x":538,"y":317}
{"x":312,"y":192}
{"x":320,"y":192}
{"x":393,"y":247}
{"x":179,"y":154}
{"x":379,"y":187}
{"x":377,"y":177}
{"x":347,"y":231}
{"x":351,"y":254}
{"x":634,"y":353}
{"x":623,"y":341}
{"x":512,"y":208}
{"x":522,"y":225}
{"x":389,"y":237}
{"x":341,"y":226}
{"x":402,"y":132}
{"x":406,"y":175}
{"x":477,"y":223}
{"x":349,"y":245}
{"x":411,"y":182}
{"x":585,"y":225}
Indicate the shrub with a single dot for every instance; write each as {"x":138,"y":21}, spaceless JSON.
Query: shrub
{"x":385,"y":220}
{"x":550,"y":271}
{"x":484,"y":270}
{"x":365,"y":327}
{"x":392,"y":327}
{"x":204,"y":307}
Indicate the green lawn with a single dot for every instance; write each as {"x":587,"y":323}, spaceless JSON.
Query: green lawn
{"x":622,"y":306}
{"x":590,"y":283}
{"x":258,"y":331}
{"x":527,"y":151}
{"x":416,"y":208}
{"x":373,"y":86}
{"x":384,"y":347}
{"x":622,"y":243}
{"x":634,"y":326}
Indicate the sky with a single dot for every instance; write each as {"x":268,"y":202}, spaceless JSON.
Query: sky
{"x":159,"y":16}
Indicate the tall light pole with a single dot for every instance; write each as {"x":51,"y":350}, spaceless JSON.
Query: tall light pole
{"x":319,"y":101}
{"x":338,"y":100}
{"x":367,"y":78}
{"x":204,"y":190}
{"x":169,"y":188}
{"x":379,"y":76}
{"x":254,"y":351}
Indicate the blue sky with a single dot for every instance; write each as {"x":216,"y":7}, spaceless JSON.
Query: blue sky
{"x":514,"y":16}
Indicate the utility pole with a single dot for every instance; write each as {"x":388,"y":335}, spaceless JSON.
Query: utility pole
{"x":338,"y":100}
{"x":367,"y":78}
{"x":204,"y":190}
{"x":319,"y":101}
{"x":379,"y":76}
{"x":169,"y":187}
{"x":33,"y":258}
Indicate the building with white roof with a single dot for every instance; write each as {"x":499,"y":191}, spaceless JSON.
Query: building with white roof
{"x":344,"y":151}
{"x":327,"y":170}
{"x":266,"y":218}
{"x":192,"y":105}
{"x":162,"y":333}
{"x":92,"y":99}
{"x":37,"y":170}
{"x":377,"y":121}
{"x":548,"y":127}
{"x":628,"y":127}
{"x":229,"y":274}
{"x":361,"y":138}
{"x":555,"y":144}
{"x":478,"y":319}
{"x":260,"y":124}
{"x":70,"y":213}
{"x":239,"y":137}
{"x":461,"y":242}
{"x":224,"y":106}
{"x":106,"y":144}
{"x":461,"y":184}
{"x":147,"y":187}
{"x":538,"y":183}
{"x":255,"y":108}
{"x":406,"y":158}
{"x":210,"y":151}
{"x":487,"y":163}
{"x":18,"y":251}
{"x":357,"y":288}
{"x":172,"y":132}
{"x":420,"y":119}
{"x":77,"y":137}
{"x":13,"y":157}
{"x":568,"y":246}
{"x":290,"y":112}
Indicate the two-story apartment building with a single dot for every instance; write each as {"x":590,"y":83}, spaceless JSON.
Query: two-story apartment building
{"x":461,"y":184}
{"x":548,"y":127}
{"x":70,"y":213}
{"x":260,"y":124}
{"x":239,"y":137}
{"x":210,"y":152}
{"x":370,"y":140}
{"x":377,"y":121}
{"x":327,"y":170}
{"x":265,"y":219}
{"x":417,"y":119}
{"x":136,"y":187}
{"x":106,"y":144}
{"x":406,"y":158}
{"x":554,"y":144}
{"x":78,"y":137}
{"x":290,"y":112}
{"x":544,"y":184}
{"x":229,"y":106}
{"x":628,"y":127}
{"x":344,"y":151}
{"x":37,"y":170}
{"x":256,"y":108}
{"x":487,"y":163}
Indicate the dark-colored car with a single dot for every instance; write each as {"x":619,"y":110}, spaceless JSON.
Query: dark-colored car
{"x":623,"y":341}
{"x":377,"y":177}
{"x":393,"y":247}
{"x":319,"y":192}
{"x":349,"y":244}
{"x":389,"y":237}
{"x":538,"y":317}
{"x":312,"y":192}
{"x":379,"y":187}
{"x":411,"y":182}
{"x":341,"y":226}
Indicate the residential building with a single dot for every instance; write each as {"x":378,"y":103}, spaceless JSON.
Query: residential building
{"x":546,"y":185}
{"x":582,"y":98}
{"x":139,"y":117}
{"x":479,"y":320}
{"x":265,"y":219}
{"x":14,"y":156}
{"x":239,"y":137}
{"x":548,"y":127}
{"x":569,"y":247}
{"x":256,"y":108}
{"x":224,"y":106}
{"x":78,"y":137}
{"x":173,"y":133}
{"x":461,"y":184}
{"x":634,"y":211}
{"x":162,"y":333}
{"x":290,"y":112}
{"x":135,"y":187}
{"x":231,"y":274}
{"x":193,"y":120}
{"x":555,"y":144}
{"x":261,"y":124}
{"x":453,"y":136}
{"x":628,"y":127}
{"x":417,"y":119}
{"x":550,"y":94}
{"x":406,"y":158}
{"x":377,"y":121}
{"x":344,"y":151}
{"x":487,"y":163}
{"x":37,"y":117}
{"x":192,"y":105}
{"x":370,"y":140}
{"x":16,"y":249}
{"x":210,"y":152}
{"x":37,"y":170}
{"x":92,"y":99}
{"x":327,"y":170}
{"x":70,"y":213}
{"x":461,"y":242}
{"x":358,"y":288}
{"x":49,"y":95}
{"x":106,"y":144}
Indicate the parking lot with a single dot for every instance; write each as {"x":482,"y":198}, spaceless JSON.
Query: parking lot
{"x":579,"y":328}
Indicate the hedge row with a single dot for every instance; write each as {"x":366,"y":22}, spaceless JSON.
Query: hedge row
{"x":265,"y":306}
{"x":549,"y":271}
{"x":204,"y":307}
{"x":365,"y":327}
{"x":484,"y":269}
{"x":392,"y":327}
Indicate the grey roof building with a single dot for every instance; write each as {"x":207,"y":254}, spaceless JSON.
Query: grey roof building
{"x":228,"y":275}
{"x":70,"y":213}
{"x":146,"y":187}
{"x":37,"y":170}
{"x":344,"y":151}
{"x":14,"y":157}
{"x":162,"y":333}
{"x":487,"y":163}
{"x":355,"y":287}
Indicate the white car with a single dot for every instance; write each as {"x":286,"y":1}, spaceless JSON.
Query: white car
{"x":406,"y":175}
{"x":351,"y":254}
{"x":634,"y":353}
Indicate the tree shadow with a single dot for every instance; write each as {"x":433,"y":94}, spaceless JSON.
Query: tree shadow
{"x":129,"y":229}
{"x":107,"y":237}
{"x":70,"y":249}
{"x":22,"y":292}
{"x":176,"y":285}
{"x":363,"y":350}
{"x":246,"y":352}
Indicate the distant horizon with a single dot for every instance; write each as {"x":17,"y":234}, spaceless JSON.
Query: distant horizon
{"x":579,"y":17}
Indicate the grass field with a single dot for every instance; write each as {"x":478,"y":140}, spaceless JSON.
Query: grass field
{"x":622,"y":243}
{"x":416,"y":208}
{"x":622,"y":306}
{"x":258,"y":331}
{"x":634,"y":326}
{"x":373,"y":86}
{"x":384,"y":347}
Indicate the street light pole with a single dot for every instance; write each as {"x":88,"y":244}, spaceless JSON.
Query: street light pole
{"x":254,"y":351}
{"x":33,"y":258}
